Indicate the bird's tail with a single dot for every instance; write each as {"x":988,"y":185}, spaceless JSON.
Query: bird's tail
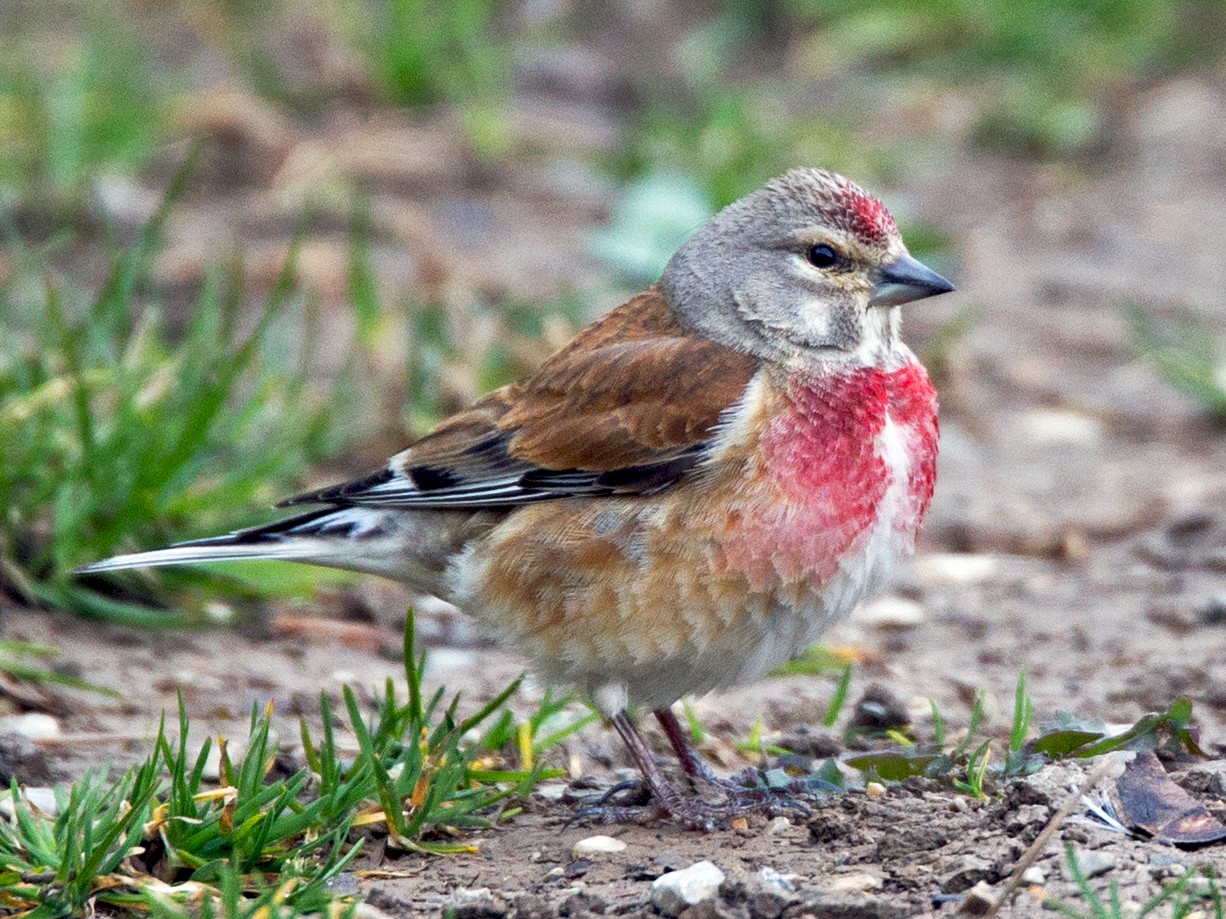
{"x":331,"y":536}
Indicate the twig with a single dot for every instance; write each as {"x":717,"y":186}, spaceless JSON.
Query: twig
{"x":1035,"y":851}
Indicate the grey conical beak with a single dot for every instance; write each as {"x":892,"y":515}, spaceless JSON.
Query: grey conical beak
{"x":903,"y":280}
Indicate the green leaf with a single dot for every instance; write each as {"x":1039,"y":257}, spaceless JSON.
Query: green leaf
{"x":1059,"y":744}
{"x":893,"y":765}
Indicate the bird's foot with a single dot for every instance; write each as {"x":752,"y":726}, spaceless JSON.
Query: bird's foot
{"x":631,"y":792}
{"x":666,"y":800}
{"x":736,"y":785}
{"x":623,"y":803}
{"x":761,"y":799}
{"x":751,"y":783}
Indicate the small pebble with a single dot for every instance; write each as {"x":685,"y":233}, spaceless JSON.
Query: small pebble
{"x":891,"y":612}
{"x":1199,"y":885}
{"x":41,"y":798}
{"x":738,"y":823}
{"x":1028,"y":814}
{"x":220,"y":613}
{"x":552,"y":791}
{"x":777,"y":825}
{"x":978,"y":900}
{"x":861,"y":882}
{"x":1055,"y":426}
{"x":597,"y":845}
{"x":1091,"y":862}
{"x":780,"y":882}
{"x":874,"y":789}
{"x":444,"y":661}
{"x":958,"y":570}
{"x":475,"y":901}
{"x":555,"y":872}
{"x":34,"y":725}
{"x":578,"y":868}
{"x":1034,"y":875}
{"x":678,"y":890}
{"x":1214,"y":612}
{"x":343,"y":885}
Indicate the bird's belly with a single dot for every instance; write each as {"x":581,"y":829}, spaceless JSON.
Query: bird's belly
{"x":818,"y":559}
{"x":653,"y":595}
{"x":713,"y":582}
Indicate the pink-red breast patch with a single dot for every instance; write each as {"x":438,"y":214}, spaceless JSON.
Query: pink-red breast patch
{"x":824,"y":478}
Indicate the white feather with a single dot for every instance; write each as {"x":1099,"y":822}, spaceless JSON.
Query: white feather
{"x":189,"y":554}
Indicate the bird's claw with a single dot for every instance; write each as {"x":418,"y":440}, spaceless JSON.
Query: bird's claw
{"x":641,"y":792}
{"x":748,"y":788}
{"x":616,"y":813}
{"x":694,"y":813}
{"x":769,"y":801}
{"x":603,"y":804}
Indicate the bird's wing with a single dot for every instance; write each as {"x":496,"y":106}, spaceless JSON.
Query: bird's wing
{"x":626,"y":407}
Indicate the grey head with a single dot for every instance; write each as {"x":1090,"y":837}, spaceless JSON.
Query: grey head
{"x":810,"y":268}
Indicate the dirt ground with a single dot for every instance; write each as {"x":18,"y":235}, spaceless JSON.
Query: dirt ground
{"x":1078,"y":533}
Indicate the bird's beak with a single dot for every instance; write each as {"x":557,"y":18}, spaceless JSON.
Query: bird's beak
{"x":903,"y":280}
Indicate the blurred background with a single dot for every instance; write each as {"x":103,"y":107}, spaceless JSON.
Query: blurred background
{"x":247,"y":246}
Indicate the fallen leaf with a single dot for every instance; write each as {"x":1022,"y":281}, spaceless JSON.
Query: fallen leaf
{"x":1151,"y":801}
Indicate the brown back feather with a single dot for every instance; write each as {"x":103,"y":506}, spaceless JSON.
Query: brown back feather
{"x":633,"y":385}
{"x":625,"y":406}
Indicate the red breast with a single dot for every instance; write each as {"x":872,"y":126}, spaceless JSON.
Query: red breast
{"x":822,"y":473}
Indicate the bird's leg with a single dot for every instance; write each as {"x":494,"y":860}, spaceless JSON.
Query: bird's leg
{"x":693,"y":764}
{"x":744,"y":785}
{"x":693,"y":812}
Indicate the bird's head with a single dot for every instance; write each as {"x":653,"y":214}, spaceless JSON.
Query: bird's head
{"x":809,"y":268}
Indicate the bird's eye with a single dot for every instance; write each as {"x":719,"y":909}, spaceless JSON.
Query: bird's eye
{"x":822,"y":256}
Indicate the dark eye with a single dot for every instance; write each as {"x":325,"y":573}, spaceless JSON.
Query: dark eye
{"x":822,"y":256}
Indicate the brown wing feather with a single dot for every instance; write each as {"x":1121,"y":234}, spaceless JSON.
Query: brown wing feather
{"x":634,"y":390}
{"x":624,"y":404}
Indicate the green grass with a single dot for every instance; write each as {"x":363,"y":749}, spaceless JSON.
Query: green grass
{"x":977,"y":762}
{"x":418,"y":53}
{"x":1188,"y":352}
{"x":732,"y":138}
{"x":25,"y":662}
{"x":458,"y":353}
{"x":1195,"y":893}
{"x":749,"y":90}
{"x":119,"y":437}
{"x":1038,"y":72}
{"x":425,"y":53}
{"x":74,"y":107}
{"x":1038,"y":77}
{"x":685,"y":158}
{"x":839,"y":699}
{"x":162,"y":835}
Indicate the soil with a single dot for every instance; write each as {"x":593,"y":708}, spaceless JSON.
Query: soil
{"x":1078,"y":531}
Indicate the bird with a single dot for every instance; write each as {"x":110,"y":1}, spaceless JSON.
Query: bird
{"x":683,"y":497}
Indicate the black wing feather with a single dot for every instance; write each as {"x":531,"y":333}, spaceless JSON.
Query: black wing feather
{"x":499,"y":481}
